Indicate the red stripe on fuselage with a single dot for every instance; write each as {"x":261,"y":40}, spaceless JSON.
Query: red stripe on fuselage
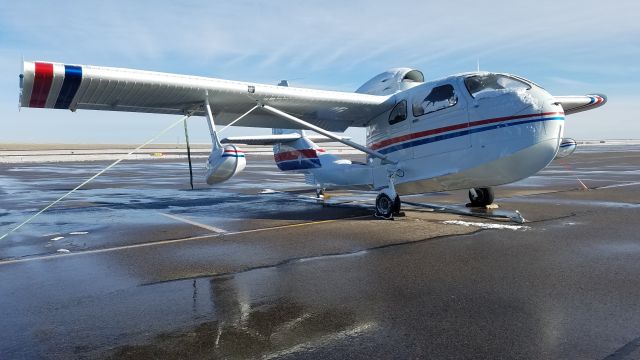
{"x":420,"y":134}
{"x":295,"y":154}
{"x":41,"y":84}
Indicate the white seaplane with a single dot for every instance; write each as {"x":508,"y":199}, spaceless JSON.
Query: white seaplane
{"x":467,"y":131}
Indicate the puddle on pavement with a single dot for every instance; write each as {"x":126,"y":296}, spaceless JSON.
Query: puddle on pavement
{"x":236,"y":317}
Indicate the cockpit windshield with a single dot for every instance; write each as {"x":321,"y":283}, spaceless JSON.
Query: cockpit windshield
{"x":478,"y":84}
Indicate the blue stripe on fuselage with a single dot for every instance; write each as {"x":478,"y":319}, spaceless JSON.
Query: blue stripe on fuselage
{"x":304,"y":163}
{"x":436,"y":138}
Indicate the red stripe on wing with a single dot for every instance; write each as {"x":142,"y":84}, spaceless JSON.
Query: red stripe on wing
{"x":41,"y":84}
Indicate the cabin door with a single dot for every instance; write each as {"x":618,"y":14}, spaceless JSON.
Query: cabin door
{"x":440,"y":121}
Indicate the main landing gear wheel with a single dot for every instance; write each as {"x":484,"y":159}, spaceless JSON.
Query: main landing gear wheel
{"x":481,"y":196}
{"x":385,"y":207}
{"x":396,"y":206}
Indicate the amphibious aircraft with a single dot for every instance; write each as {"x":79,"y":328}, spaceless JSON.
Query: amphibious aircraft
{"x":466,"y":131}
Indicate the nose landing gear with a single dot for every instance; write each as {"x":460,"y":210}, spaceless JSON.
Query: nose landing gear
{"x":387,"y":208}
{"x":481,"y":196}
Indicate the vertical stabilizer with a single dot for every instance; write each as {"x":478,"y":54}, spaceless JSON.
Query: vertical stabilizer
{"x":300,"y":154}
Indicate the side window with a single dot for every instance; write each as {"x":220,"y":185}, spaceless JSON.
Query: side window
{"x":440,"y":97}
{"x":399,"y":113}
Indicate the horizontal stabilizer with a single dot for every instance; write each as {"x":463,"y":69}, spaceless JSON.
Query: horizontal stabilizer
{"x":575,"y":104}
{"x":275,"y":139}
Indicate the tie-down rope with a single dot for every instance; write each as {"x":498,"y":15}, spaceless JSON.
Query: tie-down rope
{"x":184,"y":118}
{"x":95,"y":176}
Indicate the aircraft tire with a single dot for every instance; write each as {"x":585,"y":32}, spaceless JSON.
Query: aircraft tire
{"x":484,"y":196}
{"x":384,"y":206}
{"x":396,"y":205}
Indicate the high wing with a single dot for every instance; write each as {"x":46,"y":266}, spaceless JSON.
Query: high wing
{"x":63,"y":86}
{"x":575,"y":104}
{"x":276,"y":139}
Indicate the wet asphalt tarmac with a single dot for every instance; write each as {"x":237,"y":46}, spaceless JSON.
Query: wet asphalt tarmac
{"x":138,"y":266}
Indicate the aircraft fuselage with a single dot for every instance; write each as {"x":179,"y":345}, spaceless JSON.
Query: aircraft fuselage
{"x":463,"y":131}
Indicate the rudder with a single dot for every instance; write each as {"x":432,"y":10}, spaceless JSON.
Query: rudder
{"x":300,"y":154}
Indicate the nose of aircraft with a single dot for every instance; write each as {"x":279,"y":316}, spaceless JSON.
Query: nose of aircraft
{"x":551,"y":129}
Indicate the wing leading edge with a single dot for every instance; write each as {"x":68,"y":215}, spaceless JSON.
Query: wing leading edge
{"x":64,"y":86}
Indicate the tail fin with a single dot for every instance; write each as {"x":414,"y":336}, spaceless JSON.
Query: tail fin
{"x":300,"y":154}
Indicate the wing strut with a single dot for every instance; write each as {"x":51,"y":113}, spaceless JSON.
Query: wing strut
{"x":328,"y":134}
{"x":212,"y":126}
{"x":186,"y":136}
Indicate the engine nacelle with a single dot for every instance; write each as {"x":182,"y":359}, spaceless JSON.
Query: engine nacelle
{"x":567,"y":147}
{"x":223,"y":163}
{"x":392,"y":81}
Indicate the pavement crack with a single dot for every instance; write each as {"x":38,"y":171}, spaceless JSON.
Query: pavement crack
{"x":625,"y":351}
{"x":541,"y":221}
{"x":312,"y":257}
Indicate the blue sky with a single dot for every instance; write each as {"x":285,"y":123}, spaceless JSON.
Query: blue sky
{"x":570,"y":48}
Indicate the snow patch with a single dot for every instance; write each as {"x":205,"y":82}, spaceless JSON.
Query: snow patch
{"x":79,"y":233}
{"x":57,"y":238}
{"x":521,"y":95}
{"x":487,"y":225}
{"x":269,"y":191}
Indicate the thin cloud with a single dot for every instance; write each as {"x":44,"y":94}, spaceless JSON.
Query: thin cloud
{"x":332,"y":44}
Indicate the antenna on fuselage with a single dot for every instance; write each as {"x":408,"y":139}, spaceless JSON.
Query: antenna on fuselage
{"x":478,"y":64}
